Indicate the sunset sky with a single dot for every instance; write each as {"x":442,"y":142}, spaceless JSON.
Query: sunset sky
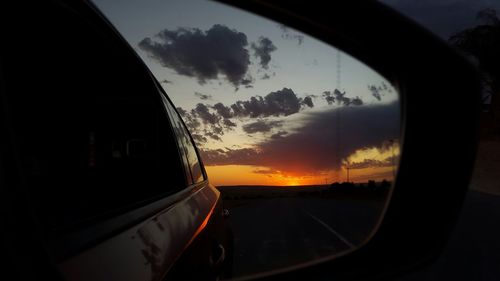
{"x":262,"y":100}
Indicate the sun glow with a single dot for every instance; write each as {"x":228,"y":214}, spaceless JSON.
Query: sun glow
{"x":363,"y":165}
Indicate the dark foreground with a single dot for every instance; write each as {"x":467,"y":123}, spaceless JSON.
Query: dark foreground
{"x":473,"y":251}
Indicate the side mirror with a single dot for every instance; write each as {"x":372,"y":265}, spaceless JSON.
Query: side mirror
{"x":439,"y":92}
{"x":287,"y":145}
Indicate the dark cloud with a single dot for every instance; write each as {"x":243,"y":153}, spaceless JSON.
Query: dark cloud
{"x":192,"y":122}
{"x":199,"y":139}
{"x":263,"y":51}
{"x":210,"y":121}
{"x":246,"y":82}
{"x":307,"y":101}
{"x":371,"y":163}
{"x":261,"y":126}
{"x":379,"y":91}
{"x":204,"y":114}
{"x":330,"y":99}
{"x":287,"y":35}
{"x":181,"y":111}
{"x":203,"y":123}
{"x":223,"y":110}
{"x":340,"y":98}
{"x":356,"y":101}
{"x":316,"y":147}
{"x":203,"y":96}
{"x":213,"y":135}
{"x":375,"y":92}
{"x":280,"y":103}
{"x":201,"y":54}
{"x":228,"y":156}
{"x":228,"y":123}
{"x":217,"y":130}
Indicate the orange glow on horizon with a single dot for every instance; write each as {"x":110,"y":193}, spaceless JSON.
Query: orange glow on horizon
{"x":378,"y":169}
{"x":246,"y":175}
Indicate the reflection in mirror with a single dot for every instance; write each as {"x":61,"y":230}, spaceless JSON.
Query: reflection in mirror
{"x":301,"y":139}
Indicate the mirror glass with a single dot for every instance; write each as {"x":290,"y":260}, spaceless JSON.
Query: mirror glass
{"x":301,"y":139}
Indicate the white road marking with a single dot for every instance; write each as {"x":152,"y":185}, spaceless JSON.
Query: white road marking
{"x":342,"y":238}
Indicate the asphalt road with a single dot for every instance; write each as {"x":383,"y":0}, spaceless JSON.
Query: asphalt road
{"x":280,"y":232}
{"x":275,"y":233}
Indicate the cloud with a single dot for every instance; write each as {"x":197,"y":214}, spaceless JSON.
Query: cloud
{"x":228,"y":123}
{"x":203,"y":96}
{"x":328,"y":96}
{"x":340,"y":98}
{"x":287,"y":35}
{"x":356,"y":101}
{"x":204,"y":124}
{"x":261,"y":126}
{"x":307,"y":101}
{"x":265,"y":171}
{"x":375,"y":92}
{"x":371,"y":163}
{"x":214,"y":120}
{"x":213,"y":135}
{"x":379,"y":91}
{"x":283,"y":102}
{"x":199,"y":138}
{"x":204,"y":114}
{"x":192,"y":122}
{"x":228,"y":156}
{"x":316,"y":147}
{"x":201,"y":54}
{"x":223,"y":110}
{"x":263,"y":51}
{"x":181,"y":111}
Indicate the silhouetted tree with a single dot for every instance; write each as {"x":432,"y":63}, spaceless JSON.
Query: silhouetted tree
{"x":385,"y":184}
{"x":335,"y":185}
{"x":483,"y":43}
{"x":372,"y":185}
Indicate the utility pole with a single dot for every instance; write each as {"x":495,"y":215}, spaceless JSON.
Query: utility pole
{"x":347,"y":168}
{"x":337,"y":117}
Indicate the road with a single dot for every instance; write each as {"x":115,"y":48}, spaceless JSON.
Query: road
{"x":278,"y":232}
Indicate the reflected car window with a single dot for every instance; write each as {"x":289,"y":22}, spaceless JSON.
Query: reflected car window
{"x":186,"y":146}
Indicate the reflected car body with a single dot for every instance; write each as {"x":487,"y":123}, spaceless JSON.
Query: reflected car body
{"x":147,"y":251}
